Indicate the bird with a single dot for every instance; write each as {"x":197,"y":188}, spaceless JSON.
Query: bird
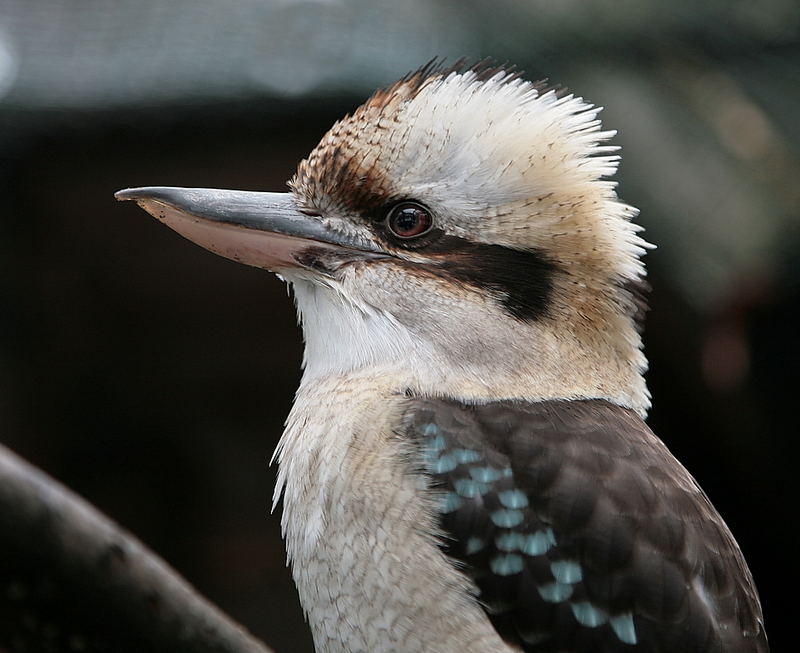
{"x":466,"y":465}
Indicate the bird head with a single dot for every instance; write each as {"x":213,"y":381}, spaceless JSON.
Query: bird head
{"x":457,"y":232}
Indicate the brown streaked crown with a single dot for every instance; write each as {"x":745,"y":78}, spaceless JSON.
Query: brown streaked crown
{"x":343,"y":173}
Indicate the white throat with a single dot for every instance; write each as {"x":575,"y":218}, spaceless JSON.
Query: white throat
{"x":343,"y":336}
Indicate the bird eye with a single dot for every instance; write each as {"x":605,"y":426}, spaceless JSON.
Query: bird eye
{"x":409,"y":220}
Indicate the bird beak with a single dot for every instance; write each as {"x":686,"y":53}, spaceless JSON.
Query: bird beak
{"x":266,"y":230}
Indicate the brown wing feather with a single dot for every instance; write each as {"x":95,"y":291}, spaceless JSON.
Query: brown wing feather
{"x":582,"y":532}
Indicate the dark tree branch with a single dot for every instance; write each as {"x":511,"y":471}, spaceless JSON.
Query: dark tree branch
{"x":71,"y":580}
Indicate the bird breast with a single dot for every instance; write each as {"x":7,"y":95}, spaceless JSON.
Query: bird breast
{"x":359,"y":528}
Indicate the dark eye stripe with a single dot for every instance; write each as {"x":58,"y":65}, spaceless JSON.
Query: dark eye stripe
{"x":522,"y":279}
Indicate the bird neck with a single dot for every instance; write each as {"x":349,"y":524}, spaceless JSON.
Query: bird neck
{"x":478,"y":356}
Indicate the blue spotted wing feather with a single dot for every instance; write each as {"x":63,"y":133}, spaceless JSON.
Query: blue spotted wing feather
{"x":581,"y":531}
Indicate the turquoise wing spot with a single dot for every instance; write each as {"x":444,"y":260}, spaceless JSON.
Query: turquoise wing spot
{"x":513,"y":499}
{"x":507,"y":518}
{"x":510,"y":542}
{"x":470,"y":489}
{"x":506,"y":564}
{"x":566,"y":571}
{"x":555,"y":592}
{"x":539,"y":543}
{"x":430,"y":430}
{"x":475,"y":544}
{"x":450,"y":503}
{"x":485,"y":474}
{"x":623,"y":627}
{"x":465,"y":456}
{"x":446,"y":463}
{"x":431,"y":454}
{"x":588,"y":615}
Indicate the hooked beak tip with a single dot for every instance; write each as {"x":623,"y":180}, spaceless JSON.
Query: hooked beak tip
{"x":156,"y":193}
{"x":126,"y":194}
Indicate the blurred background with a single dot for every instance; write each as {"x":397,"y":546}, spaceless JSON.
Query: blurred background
{"x":153,"y":378}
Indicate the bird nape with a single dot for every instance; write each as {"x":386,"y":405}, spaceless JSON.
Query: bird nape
{"x":466,"y":466}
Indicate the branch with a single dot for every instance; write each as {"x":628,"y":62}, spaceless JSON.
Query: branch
{"x":70,"y":579}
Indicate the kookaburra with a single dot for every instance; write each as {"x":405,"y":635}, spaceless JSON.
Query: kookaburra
{"x":466,"y":466}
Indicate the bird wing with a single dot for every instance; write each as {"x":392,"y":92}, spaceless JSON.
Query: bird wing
{"x":581,"y":531}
